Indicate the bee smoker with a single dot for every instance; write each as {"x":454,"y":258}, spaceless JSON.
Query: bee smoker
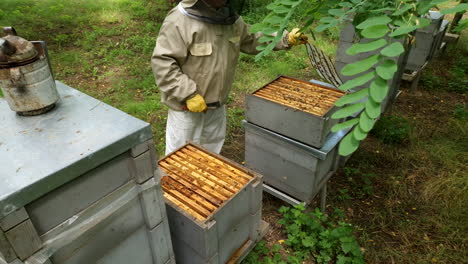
{"x":25,"y":75}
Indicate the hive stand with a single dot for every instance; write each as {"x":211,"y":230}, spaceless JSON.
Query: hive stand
{"x":80,"y":185}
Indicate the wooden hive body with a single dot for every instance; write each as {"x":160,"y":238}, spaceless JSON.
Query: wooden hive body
{"x":214,"y":205}
{"x":294,"y":108}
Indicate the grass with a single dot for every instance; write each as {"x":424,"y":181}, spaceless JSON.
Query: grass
{"x":407,"y":201}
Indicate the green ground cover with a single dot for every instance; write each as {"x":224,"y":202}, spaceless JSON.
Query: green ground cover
{"x":404,"y":191}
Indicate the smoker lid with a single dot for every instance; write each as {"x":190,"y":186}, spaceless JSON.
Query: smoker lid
{"x":41,"y":153}
{"x":14,"y":49}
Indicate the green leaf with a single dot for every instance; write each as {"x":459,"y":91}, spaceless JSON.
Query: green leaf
{"x":343,"y":260}
{"x":459,"y":8}
{"x":348,"y":145}
{"x":281,"y":10}
{"x":360,"y":66}
{"x":347,"y":246}
{"x":327,"y":19}
{"x":352,"y":97}
{"x":322,"y":27}
{"x":346,"y":4}
{"x":438,"y":2}
{"x":344,"y":125}
{"x":461,"y":26}
{"x":366,"y":47}
{"x":422,"y":22}
{"x":272,"y":6}
{"x":393,"y":50}
{"x":266,"y":39}
{"x":261,"y":47}
{"x":403,"y":30}
{"x":363,"y":79}
{"x":366,"y":123}
{"x":292,"y":3}
{"x":257,"y":27}
{"x":272,"y":19}
{"x":387,"y":69}
{"x":358,"y":133}
{"x":336,"y":12}
{"x":378,"y":90}
{"x":374,"y":32}
{"x":373,"y":109}
{"x":348,"y":110}
{"x":269,"y":30}
{"x":424,"y":6}
{"x":402,"y":9}
{"x":372,"y":21}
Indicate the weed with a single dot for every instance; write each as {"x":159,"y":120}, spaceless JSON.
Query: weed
{"x":360,"y":184}
{"x":392,"y":130}
{"x":460,"y":112}
{"x":343,"y":194}
{"x":310,"y":235}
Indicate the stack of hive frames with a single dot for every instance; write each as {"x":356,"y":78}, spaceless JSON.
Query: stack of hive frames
{"x":294,"y":108}
{"x":292,"y":146}
{"x":213,"y":205}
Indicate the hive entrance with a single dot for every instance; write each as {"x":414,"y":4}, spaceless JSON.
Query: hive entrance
{"x":198,"y":182}
{"x":300,"y":95}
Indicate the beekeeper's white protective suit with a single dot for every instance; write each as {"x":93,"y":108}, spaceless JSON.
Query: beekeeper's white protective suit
{"x":196,"y":53}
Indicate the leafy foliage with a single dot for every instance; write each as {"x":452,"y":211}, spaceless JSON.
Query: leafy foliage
{"x":386,"y":24}
{"x":311,"y":234}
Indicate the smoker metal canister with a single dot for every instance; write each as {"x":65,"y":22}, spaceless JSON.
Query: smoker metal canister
{"x":25,"y":75}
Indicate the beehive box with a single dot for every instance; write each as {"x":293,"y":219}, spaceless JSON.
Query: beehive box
{"x":292,"y":171}
{"x":294,"y":108}
{"x":80,"y":185}
{"x":348,"y":37}
{"x":427,"y":42}
{"x":213,"y":205}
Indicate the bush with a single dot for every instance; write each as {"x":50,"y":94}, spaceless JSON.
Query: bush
{"x":392,"y":130}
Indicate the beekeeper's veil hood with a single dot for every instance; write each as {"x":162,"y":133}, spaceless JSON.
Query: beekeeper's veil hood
{"x":200,"y":10}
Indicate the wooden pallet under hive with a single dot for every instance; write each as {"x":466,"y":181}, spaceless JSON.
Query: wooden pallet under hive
{"x":294,"y":108}
{"x":213,"y":204}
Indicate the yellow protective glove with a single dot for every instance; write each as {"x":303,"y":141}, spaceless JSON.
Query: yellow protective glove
{"x":297,"y":38}
{"x":196,"y":104}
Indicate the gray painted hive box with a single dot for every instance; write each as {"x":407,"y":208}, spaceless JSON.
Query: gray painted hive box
{"x":213,"y":205}
{"x":292,"y":171}
{"x":427,"y":42}
{"x":296,"y":109}
{"x":79,"y":185}
{"x":348,"y":37}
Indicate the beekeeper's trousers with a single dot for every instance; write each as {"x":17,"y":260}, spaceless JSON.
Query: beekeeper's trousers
{"x":207,"y":129}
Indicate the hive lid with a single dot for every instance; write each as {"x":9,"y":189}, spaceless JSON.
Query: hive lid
{"x":199,"y":182}
{"x":41,"y":153}
{"x":308,"y":97}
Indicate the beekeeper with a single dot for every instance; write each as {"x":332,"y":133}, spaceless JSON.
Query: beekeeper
{"x":194,"y":62}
